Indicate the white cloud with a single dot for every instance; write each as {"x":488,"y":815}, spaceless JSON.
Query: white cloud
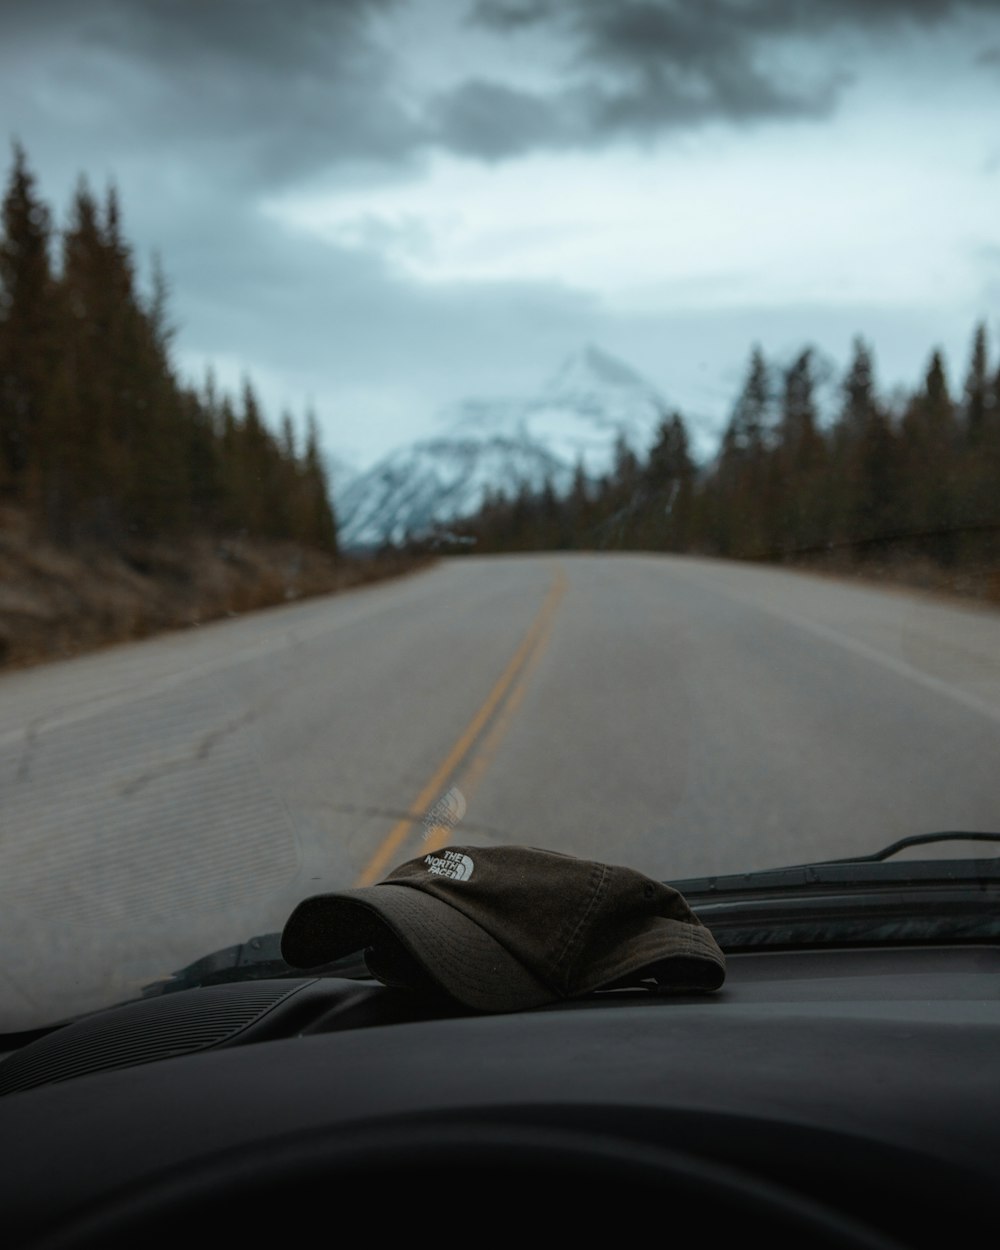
{"x":873,"y":212}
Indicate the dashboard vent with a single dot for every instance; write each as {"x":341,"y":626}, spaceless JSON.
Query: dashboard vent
{"x":142,"y":1032}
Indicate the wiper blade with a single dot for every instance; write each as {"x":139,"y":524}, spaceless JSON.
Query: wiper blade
{"x":858,"y":870}
{"x":860,"y":900}
{"x":258,"y":958}
{"x":915,"y":839}
{"x":854,"y":913}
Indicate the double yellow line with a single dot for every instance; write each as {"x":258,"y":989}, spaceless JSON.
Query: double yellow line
{"x":495,"y":712}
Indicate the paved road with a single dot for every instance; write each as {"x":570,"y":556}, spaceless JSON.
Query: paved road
{"x":161,"y":799}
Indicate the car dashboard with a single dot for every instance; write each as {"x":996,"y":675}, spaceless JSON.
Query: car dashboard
{"x":843,"y":1097}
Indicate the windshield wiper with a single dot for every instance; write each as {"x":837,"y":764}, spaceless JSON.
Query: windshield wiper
{"x":746,"y":908}
{"x":862,"y":900}
{"x":915,"y":839}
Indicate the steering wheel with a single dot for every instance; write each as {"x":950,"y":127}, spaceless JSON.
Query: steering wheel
{"x":467,"y":1179}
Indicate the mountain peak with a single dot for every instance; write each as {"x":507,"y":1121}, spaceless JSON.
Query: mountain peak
{"x":592,"y":400}
{"x":590,"y":368}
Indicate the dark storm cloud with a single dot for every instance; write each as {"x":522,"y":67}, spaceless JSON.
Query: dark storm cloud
{"x":269,"y":91}
{"x":201,"y":109}
{"x":775,"y":16}
{"x":639,"y":67}
{"x":264,"y":93}
{"x":492,"y":121}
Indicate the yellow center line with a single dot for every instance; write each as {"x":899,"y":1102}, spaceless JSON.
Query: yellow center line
{"x":469,"y":781}
{"x":377,"y":865}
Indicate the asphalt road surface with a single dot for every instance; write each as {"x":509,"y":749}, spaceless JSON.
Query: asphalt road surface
{"x":160,"y":800}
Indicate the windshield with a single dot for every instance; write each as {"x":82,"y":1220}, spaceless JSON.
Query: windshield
{"x":470,"y":422}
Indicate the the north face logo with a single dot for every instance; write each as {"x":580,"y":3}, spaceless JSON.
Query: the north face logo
{"x":450,"y":864}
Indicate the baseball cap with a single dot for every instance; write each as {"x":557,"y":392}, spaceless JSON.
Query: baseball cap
{"x":506,"y":928}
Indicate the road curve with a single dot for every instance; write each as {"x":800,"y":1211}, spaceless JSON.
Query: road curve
{"x":162,"y":799}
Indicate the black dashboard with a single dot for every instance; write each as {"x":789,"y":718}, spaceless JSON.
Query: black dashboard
{"x":836,"y":1097}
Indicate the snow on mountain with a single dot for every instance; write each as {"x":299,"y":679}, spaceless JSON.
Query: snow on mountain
{"x":416,"y":488}
{"x":590,"y":401}
{"x":576,"y":417}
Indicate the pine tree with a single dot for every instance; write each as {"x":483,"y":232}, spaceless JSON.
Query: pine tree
{"x":860,"y":401}
{"x":862,"y":489}
{"x":579,"y":508}
{"x":620,"y":498}
{"x":742,"y":501}
{"x":746,"y":435}
{"x":28,"y":345}
{"x":977,"y":402}
{"x":978,"y":468}
{"x":96,"y":434}
{"x":230,"y":442}
{"x":800,"y":459}
{"x":929,"y":463}
{"x":83,"y":465}
{"x":203,"y":468}
{"x":322,"y":519}
{"x":548,"y":535}
{"x":164,"y":437}
{"x":259,"y":486}
{"x":668,"y":478}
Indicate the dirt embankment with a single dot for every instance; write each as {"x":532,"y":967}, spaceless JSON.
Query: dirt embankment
{"x":972,"y":580}
{"x":56,"y":602}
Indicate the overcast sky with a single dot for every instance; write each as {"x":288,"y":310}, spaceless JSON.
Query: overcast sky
{"x":382,"y":206}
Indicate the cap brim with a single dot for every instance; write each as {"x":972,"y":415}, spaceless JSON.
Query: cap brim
{"x":668,"y":951}
{"x":458,"y":954}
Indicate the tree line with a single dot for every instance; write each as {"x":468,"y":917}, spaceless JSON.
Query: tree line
{"x":99,"y":438}
{"x":917,"y":473}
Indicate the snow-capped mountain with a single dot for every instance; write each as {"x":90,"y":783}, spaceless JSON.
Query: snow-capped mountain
{"x":417,"y":488}
{"x":591,"y":400}
{"x":576,"y":417}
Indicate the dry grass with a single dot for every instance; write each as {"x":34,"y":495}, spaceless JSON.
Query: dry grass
{"x":56,"y":602}
{"x":979,"y":581}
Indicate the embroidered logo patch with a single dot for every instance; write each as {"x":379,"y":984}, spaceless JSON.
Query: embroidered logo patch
{"x":450,"y":864}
